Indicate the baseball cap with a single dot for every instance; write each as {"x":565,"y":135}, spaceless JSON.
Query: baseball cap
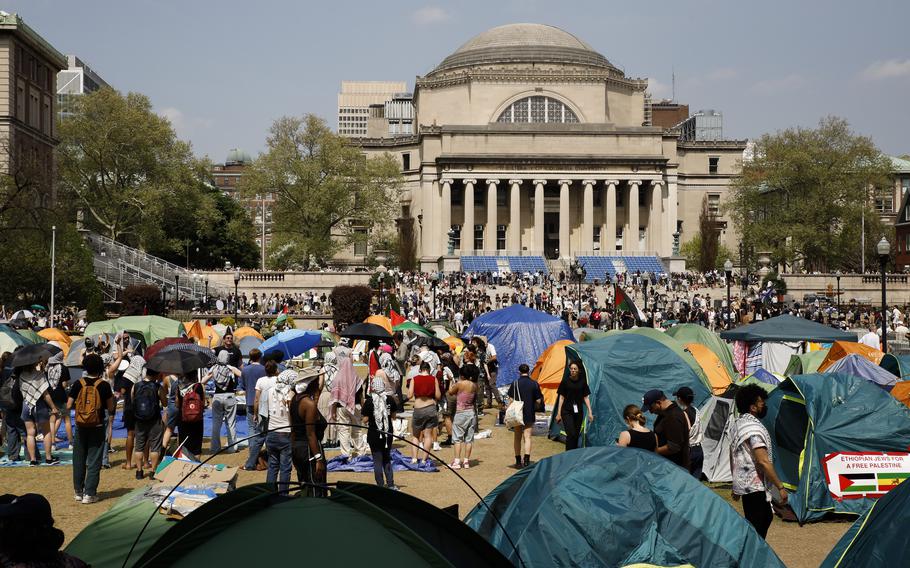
{"x":684,"y":392}
{"x":650,"y":398}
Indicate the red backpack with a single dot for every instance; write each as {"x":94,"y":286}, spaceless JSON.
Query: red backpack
{"x":193,"y":405}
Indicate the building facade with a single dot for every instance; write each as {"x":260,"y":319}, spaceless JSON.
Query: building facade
{"x":28,"y":70}
{"x":529,"y":142}
{"x":355,"y":99}
{"x":76,"y":80}
{"x":227,"y":178}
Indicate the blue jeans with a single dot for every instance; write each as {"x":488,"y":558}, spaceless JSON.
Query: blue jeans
{"x":279,"y":448}
{"x":256,"y":443}
{"x":224,"y":409}
{"x":15,"y":433}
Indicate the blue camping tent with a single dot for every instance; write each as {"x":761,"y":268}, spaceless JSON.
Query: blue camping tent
{"x":520,"y":335}
{"x":858,"y":366}
{"x":615,"y":506}
{"x":814,"y":418}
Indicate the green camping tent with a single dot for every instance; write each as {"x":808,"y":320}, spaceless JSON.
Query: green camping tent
{"x":620,"y":368}
{"x":811,"y":419}
{"x":31,"y":336}
{"x":152,"y":328}
{"x":878,"y":539}
{"x":787,"y":328}
{"x":897,"y":365}
{"x":615,"y":506}
{"x":694,"y":333}
{"x":10,"y":340}
{"x":107,"y":540}
{"x":676,"y":346}
{"x":805,"y":363}
{"x":402,"y":530}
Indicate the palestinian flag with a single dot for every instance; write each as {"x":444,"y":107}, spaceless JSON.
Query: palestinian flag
{"x":857,"y":483}
{"x":623,"y":303}
{"x":396,"y":318}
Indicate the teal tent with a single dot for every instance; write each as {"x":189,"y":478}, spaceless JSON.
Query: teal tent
{"x":254,"y":526}
{"x":694,"y":333}
{"x":811,"y":417}
{"x":805,"y":363}
{"x":787,"y":328}
{"x":10,"y":340}
{"x":615,"y":506}
{"x":620,"y":369}
{"x":878,"y":539}
{"x":151,"y":328}
{"x":897,"y":365}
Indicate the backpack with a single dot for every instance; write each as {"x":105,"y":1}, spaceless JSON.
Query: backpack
{"x":146,"y":405}
{"x":88,"y":404}
{"x":192,"y":406}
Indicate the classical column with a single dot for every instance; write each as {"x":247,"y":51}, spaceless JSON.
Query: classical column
{"x":655,"y":225}
{"x":587,"y":215}
{"x":514,"y":241}
{"x":672,"y":213}
{"x":467,"y":228}
{"x":446,"y":212}
{"x":564,"y":233}
{"x":631,"y":239}
{"x":539,"y":228}
{"x":608,"y":244}
{"x":489,"y":233}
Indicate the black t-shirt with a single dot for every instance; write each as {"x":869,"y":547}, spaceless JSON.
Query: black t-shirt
{"x":573,"y":393}
{"x":528,"y":391}
{"x":672,"y":430}
{"x":104,"y":391}
{"x":125,"y":387}
{"x":236,"y":357}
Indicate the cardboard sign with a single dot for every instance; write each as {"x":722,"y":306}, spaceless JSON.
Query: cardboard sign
{"x":219,"y":477}
{"x":858,"y":475}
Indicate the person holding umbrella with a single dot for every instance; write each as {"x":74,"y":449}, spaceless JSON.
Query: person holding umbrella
{"x":37,"y":405}
{"x":189,"y":396}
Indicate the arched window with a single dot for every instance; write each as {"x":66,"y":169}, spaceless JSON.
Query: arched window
{"x":537,"y":109}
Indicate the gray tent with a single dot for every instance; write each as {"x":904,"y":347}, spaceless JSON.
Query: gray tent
{"x":717,"y":420}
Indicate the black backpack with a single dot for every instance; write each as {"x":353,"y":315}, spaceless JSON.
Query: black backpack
{"x":10,"y":397}
{"x":146,"y":404}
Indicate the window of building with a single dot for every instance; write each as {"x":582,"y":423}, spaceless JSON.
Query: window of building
{"x":619,"y":238}
{"x":360,"y":242}
{"x":597,"y":236}
{"x":537,"y":109}
{"x":500,"y":237}
{"x":714,"y":204}
{"x":406,"y":161}
{"x":712,"y":165}
{"x":456,"y":238}
{"x":478,"y":237}
{"x":20,"y":100}
{"x":34,"y":119}
{"x":884,"y":200}
{"x":905,"y":185}
{"x":47,"y":122}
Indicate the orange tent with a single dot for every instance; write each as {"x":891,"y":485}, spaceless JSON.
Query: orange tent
{"x":841,"y":349}
{"x":715,"y":371}
{"x":381,"y":321}
{"x":201,"y":333}
{"x":247,"y":331}
{"x":901,"y":392}
{"x":549,"y":369}
{"x":54,"y":334}
{"x":455,"y":344}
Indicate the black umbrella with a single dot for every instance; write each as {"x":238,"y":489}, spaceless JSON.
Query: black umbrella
{"x":31,"y":354}
{"x":207,"y":353}
{"x":368,"y":331}
{"x":432,"y":342}
{"x":178,"y":362}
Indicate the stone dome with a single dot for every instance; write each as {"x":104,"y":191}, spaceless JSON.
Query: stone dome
{"x":236,"y":156}
{"x":523,"y":43}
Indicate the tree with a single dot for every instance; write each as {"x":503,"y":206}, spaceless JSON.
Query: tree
{"x":120,"y":161}
{"x":692,"y":250}
{"x":807,"y":193}
{"x":708,"y":231}
{"x":350,"y":304}
{"x":326,"y":191}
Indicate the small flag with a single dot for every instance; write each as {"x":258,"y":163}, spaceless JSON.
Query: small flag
{"x":623,"y":302}
{"x":182,"y":453}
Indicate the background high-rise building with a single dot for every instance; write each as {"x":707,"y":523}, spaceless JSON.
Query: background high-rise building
{"x":702,"y":126}
{"x":355,"y":99}
{"x":78,"y":79}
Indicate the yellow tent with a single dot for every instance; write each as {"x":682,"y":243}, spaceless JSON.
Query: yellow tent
{"x":58,"y":338}
{"x":247,"y":331}
{"x":841,"y":349}
{"x":711,"y":365}
{"x":201,"y":333}
{"x":381,"y":321}
{"x":549,"y":369}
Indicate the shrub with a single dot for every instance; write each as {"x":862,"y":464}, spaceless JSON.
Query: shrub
{"x":350,"y":304}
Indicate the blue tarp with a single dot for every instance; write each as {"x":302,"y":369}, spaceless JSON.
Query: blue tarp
{"x":615,"y":506}
{"x":520,"y":335}
{"x":364,"y":464}
{"x":858,"y":366}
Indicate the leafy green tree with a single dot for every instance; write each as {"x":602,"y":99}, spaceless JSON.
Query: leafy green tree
{"x":693,"y":251}
{"x":807,"y":193}
{"x":324,"y":189}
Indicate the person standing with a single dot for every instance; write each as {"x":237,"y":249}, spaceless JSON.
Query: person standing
{"x":525,"y":389}
{"x":148,"y":399}
{"x":574,"y":398}
{"x":464,"y":393}
{"x":684,"y":399}
{"x":261,"y":403}
{"x":93,"y":400}
{"x":379,"y":410}
{"x":346,"y":390}
{"x":249,"y":376}
{"x":123,"y":388}
{"x":37,"y":410}
{"x":637,"y":436}
{"x":12,"y":409}
{"x":224,"y":401}
{"x":191,"y":405}
{"x":307,"y":428}
{"x":751,"y":460}
{"x":671,"y":427}
{"x":424,"y":389}
{"x":278,"y":440}
{"x":871,"y":338}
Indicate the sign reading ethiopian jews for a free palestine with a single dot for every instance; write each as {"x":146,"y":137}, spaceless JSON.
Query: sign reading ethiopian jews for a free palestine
{"x":855,"y":475}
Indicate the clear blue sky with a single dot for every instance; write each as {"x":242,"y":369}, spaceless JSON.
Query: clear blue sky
{"x":224,"y":70}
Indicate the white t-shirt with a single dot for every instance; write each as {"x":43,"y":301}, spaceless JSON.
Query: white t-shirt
{"x":279,"y":415}
{"x":871,"y":339}
{"x":263,"y":386}
{"x":491,"y":350}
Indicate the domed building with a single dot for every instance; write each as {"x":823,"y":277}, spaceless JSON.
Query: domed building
{"x":530,"y":143}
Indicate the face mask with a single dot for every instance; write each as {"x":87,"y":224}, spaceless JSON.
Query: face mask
{"x":762,"y":413}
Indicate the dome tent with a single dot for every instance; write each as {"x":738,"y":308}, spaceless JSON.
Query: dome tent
{"x":549,"y":369}
{"x":520,"y":335}
{"x":615,"y":506}
{"x":857,"y":365}
{"x":693,"y":333}
{"x":406,"y":529}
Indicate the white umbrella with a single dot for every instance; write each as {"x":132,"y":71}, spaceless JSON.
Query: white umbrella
{"x":23,"y":314}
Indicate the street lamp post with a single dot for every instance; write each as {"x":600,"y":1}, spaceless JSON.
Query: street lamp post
{"x":53,"y":269}
{"x":837,"y":276}
{"x":236,"y":299}
{"x":176,"y":290}
{"x":578,"y":272}
{"x":381,"y":269}
{"x":728,"y":271}
{"x":884,"y":251}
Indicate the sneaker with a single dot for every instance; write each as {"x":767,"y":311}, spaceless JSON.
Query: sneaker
{"x":89,"y":499}
{"x":77,"y":496}
{"x":413,"y":461}
{"x":33,"y":463}
{"x":436,"y":447}
{"x":53,"y":460}
{"x":105,"y":466}
{"x":393,"y":488}
{"x":466,"y":464}
{"x":140,"y":474}
{"x":455,"y":465}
